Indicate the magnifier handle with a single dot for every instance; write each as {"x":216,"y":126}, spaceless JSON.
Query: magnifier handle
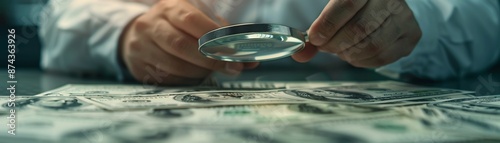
{"x":306,"y":37}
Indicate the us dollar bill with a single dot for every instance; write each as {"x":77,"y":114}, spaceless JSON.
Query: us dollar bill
{"x":474,"y":115}
{"x":47,"y":104}
{"x":280,"y":85}
{"x":425,"y":100}
{"x":136,"y":90}
{"x":388,"y":129}
{"x":371,"y":93}
{"x":191,"y":100}
{"x":261,"y":115}
{"x":119,"y":90}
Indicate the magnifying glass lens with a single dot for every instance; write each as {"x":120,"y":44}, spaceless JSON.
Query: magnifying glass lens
{"x":252,"y":46}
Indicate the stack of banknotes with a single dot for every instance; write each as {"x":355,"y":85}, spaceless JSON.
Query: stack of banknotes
{"x":260,"y":112}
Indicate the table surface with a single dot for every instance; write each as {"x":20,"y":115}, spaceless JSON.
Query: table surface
{"x":33,"y":81}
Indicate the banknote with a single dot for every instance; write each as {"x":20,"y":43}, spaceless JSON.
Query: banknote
{"x":481,"y":113}
{"x":280,"y":85}
{"x":274,"y":112}
{"x":393,"y":128}
{"x":116,"y":103}
{"x":35,"y":128}
{"x":134,"y":90}
{"x":426,"y":100}
{"x":47,"y":104}
{"x":477,"y":115}
{"x":483,"y":104}
{"x":371,"y":93}
{"x":213,"y":118}
{"x":117,"y":90}
{"x":251,"y":123}
{"x":260,"y":115}
{"x":138,"y":89}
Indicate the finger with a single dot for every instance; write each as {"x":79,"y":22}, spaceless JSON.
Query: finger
{"x":223,"y":22}
{"x":171,"y":64}
{"x":334,"y":16}
{"x":389,"y":55}
{"x":305,"y":54}
{"x":383,"y":37}
{"x":185,"y":47}
{"x":149,"y":74}
{"x":366,"y":21}
{"x":184,"y":16}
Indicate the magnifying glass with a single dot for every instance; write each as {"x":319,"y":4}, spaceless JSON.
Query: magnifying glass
{"x":252,"y":42}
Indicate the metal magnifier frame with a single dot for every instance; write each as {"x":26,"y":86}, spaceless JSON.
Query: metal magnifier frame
{"x":252,"y":42}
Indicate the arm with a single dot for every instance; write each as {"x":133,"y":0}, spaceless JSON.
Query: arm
{"x":459,"y":38}
{"x":156,"y":45}
{"x":80,"y":36}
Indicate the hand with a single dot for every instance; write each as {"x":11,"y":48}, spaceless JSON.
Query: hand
{"x":365,"y":33}
{"x":161,"y":47}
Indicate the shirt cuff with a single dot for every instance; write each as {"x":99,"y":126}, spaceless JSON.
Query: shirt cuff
{"x":412,"y":66}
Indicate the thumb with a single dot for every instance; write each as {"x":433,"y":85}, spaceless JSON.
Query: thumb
{"x":333,"y":17}
{"x":305,"y":54}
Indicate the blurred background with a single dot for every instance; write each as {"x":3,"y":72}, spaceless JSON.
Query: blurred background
{"x":23,"y":15}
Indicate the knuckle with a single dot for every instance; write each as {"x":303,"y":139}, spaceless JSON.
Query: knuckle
{"x":167,"y":4}
{"x":344,"y":45}
{"x":328,"y":25}
{"x":141,"y":23}
{"x":354,"y":31}
{"x":187,"y":16}
{"x":361,"y":28}
{"x":352,"y":5}
{"x":349,"y":4}
{"x":160,"y":31}
{"x":134,"y":46}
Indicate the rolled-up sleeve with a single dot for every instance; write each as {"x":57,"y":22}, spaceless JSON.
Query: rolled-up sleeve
{"x":460,"y":37}
{"x":81,"y":36}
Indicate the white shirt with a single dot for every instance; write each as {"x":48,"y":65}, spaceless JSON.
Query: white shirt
{"x":460,"y":37}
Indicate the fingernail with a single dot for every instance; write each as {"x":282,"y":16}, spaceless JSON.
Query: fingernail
{"x":233,"y":68}
{"x":319,"y":40}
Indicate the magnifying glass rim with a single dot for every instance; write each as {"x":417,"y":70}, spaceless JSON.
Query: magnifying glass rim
{"x":251,"y":28}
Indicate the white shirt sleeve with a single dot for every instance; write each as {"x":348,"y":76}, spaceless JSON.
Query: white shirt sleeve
{"x":81,"y":36}
{"x":460,"y":37}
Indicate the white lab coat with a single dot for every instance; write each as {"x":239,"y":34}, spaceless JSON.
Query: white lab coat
{"x":460,"y":37}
